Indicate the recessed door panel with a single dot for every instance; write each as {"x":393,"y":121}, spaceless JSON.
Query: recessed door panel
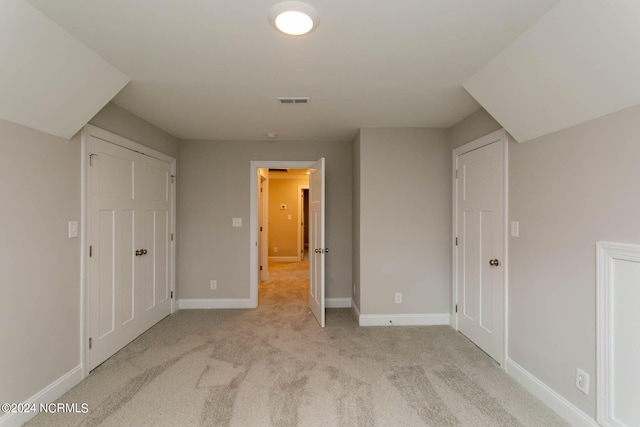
{"x":106,"y":272}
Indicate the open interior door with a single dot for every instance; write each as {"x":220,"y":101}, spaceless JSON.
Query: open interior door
{"x":317,"y":249}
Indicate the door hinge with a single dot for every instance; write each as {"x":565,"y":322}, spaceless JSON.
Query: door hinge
{"x":456,"y":308}
{"x":456,"y":241}
{"x":90,"y":343}
{"x":171,"y":294}
{"x":90,"y":251}
{"x":172,"y":237}
{"x":173,"y":179}
{"x":91,"y":159}
{"x":456,"y":173}
{"x":260,"y":228}
{"x":260,"y":268}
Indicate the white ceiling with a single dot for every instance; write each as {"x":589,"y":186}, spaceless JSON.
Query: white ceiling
{"x":578,"y":62}
{"x":48,"y":80}
{"x":205,"y":69}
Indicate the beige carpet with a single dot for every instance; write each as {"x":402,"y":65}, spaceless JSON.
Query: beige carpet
{"x":275,"y":366}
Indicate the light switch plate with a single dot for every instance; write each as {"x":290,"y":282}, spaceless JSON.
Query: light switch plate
{"x":237,"y":222}
{"x":73,"y":229}
{"x":515,"y":229}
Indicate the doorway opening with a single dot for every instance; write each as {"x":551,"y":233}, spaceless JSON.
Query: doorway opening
{"x":260,"y":230}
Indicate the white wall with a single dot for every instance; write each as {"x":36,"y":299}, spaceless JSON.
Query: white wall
{"x":213,"y":187}
{"x":404,"y":221}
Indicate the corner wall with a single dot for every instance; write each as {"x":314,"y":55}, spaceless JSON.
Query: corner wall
{"x":404,"y":222}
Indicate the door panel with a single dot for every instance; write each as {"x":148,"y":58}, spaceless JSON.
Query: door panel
{"x":316,"y":241}
{"x":480,"y":218}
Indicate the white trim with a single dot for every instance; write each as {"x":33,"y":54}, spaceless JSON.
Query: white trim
{"x":502,"y":137}
{"x":284,"y":259}
{"x":337,"y":302}
{"x":301,"y":218}
{"x":96,"y":132}
{"x":196,"y":304}
{"x":48,"y":394}
{"x":403,"y":319}
{"x":355,"y":309}
{"x":253,"y":217}
{"x":561,"y":406}
{"x":606,"y":253}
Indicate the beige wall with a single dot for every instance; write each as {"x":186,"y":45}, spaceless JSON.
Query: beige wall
{"x":121,"y":122}
{"x":213,"y":187}
{"x":404,"y":221}
{"x":283,"y":232}
{"x":472,"y":127}
{"x":39,"y":264}
{"x":568,"y":190}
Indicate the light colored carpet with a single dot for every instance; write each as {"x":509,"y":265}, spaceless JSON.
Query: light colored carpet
{"x":275,"y":366}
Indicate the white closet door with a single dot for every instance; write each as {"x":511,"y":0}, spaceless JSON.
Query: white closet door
{"x":129,"y":224}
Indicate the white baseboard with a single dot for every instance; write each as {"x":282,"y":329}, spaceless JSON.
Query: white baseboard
{"x":49,"y":394}
{"x":284,"y":259}
{"x":561,"y":406}
{"x":356,"y":310}
{"x":337,"y":302}
{"x":187,"y":304}
{"x":403,"y":319}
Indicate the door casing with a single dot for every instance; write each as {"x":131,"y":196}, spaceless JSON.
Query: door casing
{"x":501,"y":137}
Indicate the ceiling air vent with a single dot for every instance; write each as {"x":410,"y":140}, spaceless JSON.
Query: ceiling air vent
{"x":294,"y":100}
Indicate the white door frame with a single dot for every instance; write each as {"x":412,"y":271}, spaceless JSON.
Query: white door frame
{"x":301,"y":222}
{"x":87,"y":131}
{"x":501,"y":137}
{"x":254,"y":275}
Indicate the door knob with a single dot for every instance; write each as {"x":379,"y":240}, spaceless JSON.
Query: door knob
{"x":144,"y":251}
{"x":138,"y":252}
{"x":494,"y":262}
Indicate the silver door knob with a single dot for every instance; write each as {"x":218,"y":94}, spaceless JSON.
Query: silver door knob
{"x":494,"y":262}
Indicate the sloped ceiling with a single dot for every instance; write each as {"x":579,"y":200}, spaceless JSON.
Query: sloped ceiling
{"x":212,"y":69}
{"x":578,"y":62}
{"x":49,"y":81}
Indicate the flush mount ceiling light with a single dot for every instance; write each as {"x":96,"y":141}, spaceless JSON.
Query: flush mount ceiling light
{"x":294,"y":17}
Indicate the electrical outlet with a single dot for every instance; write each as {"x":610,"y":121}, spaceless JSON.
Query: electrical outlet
{"x":398,"y":296}
{"x":582,"y":381}
{"x":214,"y":285}
{"x":275,"y":250}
